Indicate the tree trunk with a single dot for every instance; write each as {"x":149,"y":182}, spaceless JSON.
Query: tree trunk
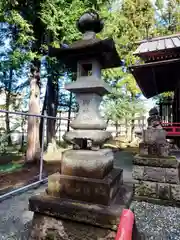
{"x":52,"y":103}
{"x":22,"y":130}
{"x":132,"y":129}
{"x":132,"y":121}
{"x":107,"y":121}
{"x":8,"y":99}
{"x":116,"y":126}
{"x":126,"y":126}
{"x":52,"y":93}
{"x":33,"y":144}
{"x":69,"y":112}
{"x":41,"y":120}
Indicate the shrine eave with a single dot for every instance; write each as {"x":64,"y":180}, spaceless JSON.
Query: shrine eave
{"x":158,"y":44}
{"x":155,"y":49}
{"x":102,"y":50}
{"x":157,"y":77}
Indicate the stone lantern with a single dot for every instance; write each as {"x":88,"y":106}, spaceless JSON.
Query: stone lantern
{"x":88,"y":188}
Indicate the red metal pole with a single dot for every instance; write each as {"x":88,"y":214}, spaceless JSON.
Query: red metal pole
{"x":126,"y":225}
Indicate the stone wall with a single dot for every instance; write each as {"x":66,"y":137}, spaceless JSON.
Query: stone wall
{"x":156,"y":179}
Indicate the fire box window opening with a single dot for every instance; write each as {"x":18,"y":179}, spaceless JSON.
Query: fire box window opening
{"x":86,"y":70}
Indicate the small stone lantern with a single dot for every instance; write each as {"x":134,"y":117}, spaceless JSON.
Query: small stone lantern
{"x":88,"y":188}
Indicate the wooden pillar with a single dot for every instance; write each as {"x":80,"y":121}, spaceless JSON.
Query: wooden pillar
{"x":176,"y":105}
{"x":176,"y":109}
{"x":160,"y":110}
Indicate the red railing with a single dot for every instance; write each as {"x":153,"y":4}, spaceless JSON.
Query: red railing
{"x":125,"y":228}
{"x":173,"y":129}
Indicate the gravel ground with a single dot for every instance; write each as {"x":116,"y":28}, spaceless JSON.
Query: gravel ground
{"x":157,"y":222}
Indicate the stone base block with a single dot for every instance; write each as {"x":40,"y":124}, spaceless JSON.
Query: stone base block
{"x":145,"y":189}
{"x":154,"y":135}
{"x":157,"y":192}
{"x":87,"y":163}
{"x":83,"y":212}
{"x":100,"y":191}
{"x":164,"y":162}
{"x":154,"y":149}
{"x":156,"y":174}
{"x":45,"y":227}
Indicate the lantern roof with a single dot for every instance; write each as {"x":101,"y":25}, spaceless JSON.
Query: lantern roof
{"x":89,"y":47}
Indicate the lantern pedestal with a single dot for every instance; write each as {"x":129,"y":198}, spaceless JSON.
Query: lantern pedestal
{"x":69,"y":219}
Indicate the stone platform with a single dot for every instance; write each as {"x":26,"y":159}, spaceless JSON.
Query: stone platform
{"x":68,"y":219}
{"x":157,"y":179}
{"x":91,"y":190}
{"x":49,"y":228}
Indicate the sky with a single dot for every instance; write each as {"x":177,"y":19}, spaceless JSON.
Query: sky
{"x":149,"y":103}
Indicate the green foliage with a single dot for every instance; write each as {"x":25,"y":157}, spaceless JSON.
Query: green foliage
{"x":131,"y":22}
{"x":59,"y":18}
{"x":31,"y":26}
{"x":168,"y":17}
{"x":120,"y":106}
{"x":163,"y":97}
{"x":168,"y":22}
{"x":10,"y":167}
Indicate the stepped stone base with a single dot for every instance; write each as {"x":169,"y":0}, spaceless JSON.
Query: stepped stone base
{"x":167,"y":162}
{"x":100,"y":191}
{"x":68,"y":219}
{"x":157,"y":179}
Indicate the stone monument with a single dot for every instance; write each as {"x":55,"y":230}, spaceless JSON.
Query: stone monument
{"x":154,"y":120}
{"x":154,"y":138}
{"x":85,"y":199}
{"x":155,"y":172}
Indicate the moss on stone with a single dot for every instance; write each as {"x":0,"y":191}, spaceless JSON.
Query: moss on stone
{"x":155,"y":157}
{"x":143,"y":189}
{"x":50,"y":236}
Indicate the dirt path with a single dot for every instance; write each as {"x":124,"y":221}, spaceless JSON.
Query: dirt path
{"x":123,"y":160}
{"x":22,"y":177}
{"x":15,"y":219}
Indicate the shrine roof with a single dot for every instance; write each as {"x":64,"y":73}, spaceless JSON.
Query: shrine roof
{"x":160,"y":71}
{"x":157,"y":77}
{"x":158,"y":44}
